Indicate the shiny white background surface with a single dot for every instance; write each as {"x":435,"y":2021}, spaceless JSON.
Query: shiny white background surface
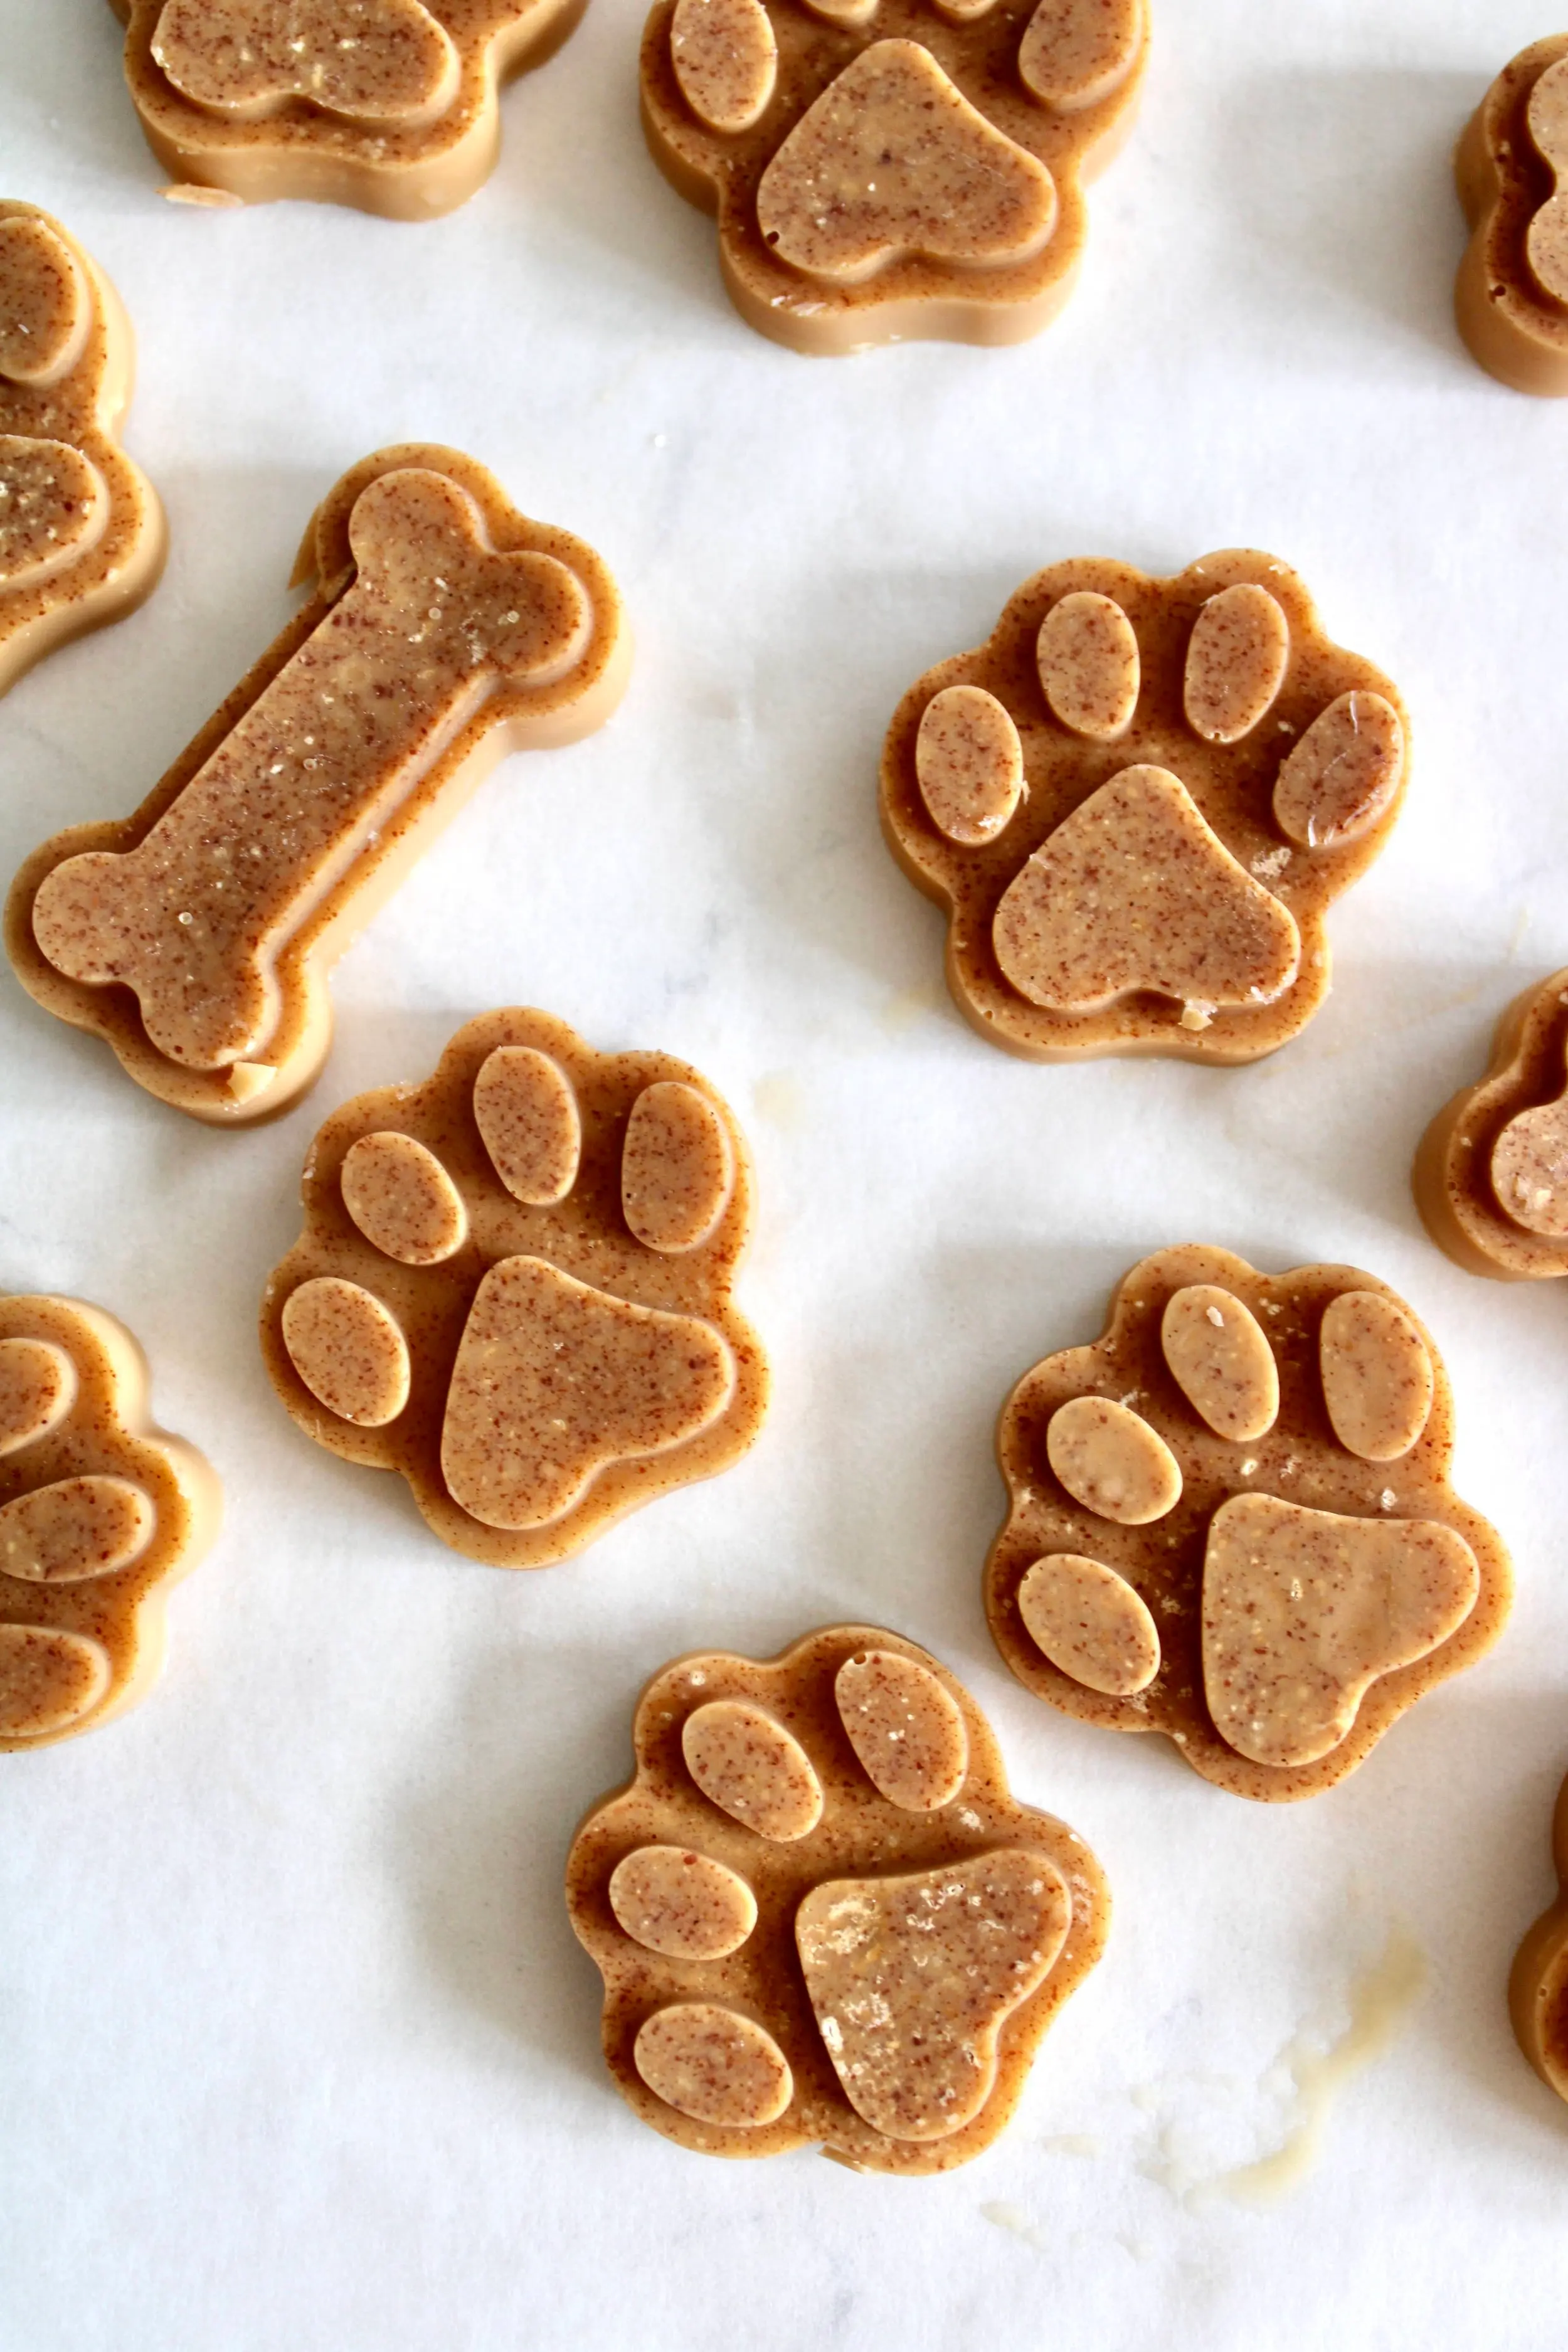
{"x":295,"y":2046}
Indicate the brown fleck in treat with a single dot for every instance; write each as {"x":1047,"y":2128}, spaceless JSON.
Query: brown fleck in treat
{"x":883,"y":170}
{"x":81,"y":531}
{"x":387,"y":104}
{"x":1511,"y":296}
{"x":196,"y":937}
{"x":1136,"y":803}
{"x":1537,"y":1986}
{"x":493,"y":1296}
{"x":834,"y":1922}
{"x":100,"y":1513}
{"x":1299,"y":1572}
{"x":1492,"y":1172}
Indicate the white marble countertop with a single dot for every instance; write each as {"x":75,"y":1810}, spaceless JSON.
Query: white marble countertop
{"x":297,"y":2048}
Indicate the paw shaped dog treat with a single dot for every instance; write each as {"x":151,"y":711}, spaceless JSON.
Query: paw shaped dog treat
{"x":820,"y":1914}
{"x":100,"y":1512}
{"x":1137,"y":803}
{"x":1538,"y":1984}
{"x":387,"y":104}
{"x":81,"y":531}
{"x":1491,"y":1173}
{"x":1511,"y":295}
{"x":195,"y":937}
{"x":888,"y":169}
{"x":513,"y":1287}
{"x":1230,"y":1520}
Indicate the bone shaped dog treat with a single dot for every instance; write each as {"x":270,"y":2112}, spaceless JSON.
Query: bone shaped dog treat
{"x":1510,"y":297}
{"x":196,"y":935}
{"x":1136,"y":802}
{"x":81,"y":531}
{"x":885,"y":169}
{"x":100,"y":1513}
{"x":387,"y":104}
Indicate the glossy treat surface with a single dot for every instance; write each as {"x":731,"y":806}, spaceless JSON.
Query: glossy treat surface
{"x":81,"y":531}
{"x":1512,"y":167}
{"x":196,"y":937}
{"x":1297,"y":1573}
{"x":513,"y":1287}
{"x":820,"y":1914}
{"x":1136,"y":803}
{"x":1491,"y":1173}
{"x":102,"y":1513}
{"x":390,"y":105}
{"x":885,"y":169}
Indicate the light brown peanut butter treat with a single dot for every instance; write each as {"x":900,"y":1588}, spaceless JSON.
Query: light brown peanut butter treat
{"x":1231,"y":1520}
{"x":820,"y":1914}
{"x":1136,"y":803}
{"x":81,"y":531}
{"x":1511,"y":295}
{"x":387,"y":104}
{"x":513,"y":1287}
{"x":196,"y":937}
{"x":102,"y":1513}
{"x":884,"y":170}
{"x":1492,"y":1172}
{"x":1537,"y":1985}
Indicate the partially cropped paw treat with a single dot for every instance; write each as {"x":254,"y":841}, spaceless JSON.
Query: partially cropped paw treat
{"x":100,"y":1512}
{"x":1511,"y":297}
{"x":513,"y":1287}
{"x":820,"y":1913}
{"x":1136,"y":803}
{"x":196,"y":937}
{"x":81,"y":531}
{"x":1492,"y":1174}
{"x":1230,"y":1520}
{"x":387,"y":104}
{"x":888,"y":169}
{"x":1537,"y":1986}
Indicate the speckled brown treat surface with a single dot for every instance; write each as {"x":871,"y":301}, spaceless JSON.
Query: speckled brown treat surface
{"x":1313,"y":1571}
{"x":100,"y":1513}
{"x":82,"y":531}
{"x":482,"y":1301}
{"x":820,"y":1914}
{"x":883,"y":170}
{"x":1511,"y":295}
{"x":387,"y":104}
{"x":1136,"y":803}
{"x":444,"y":630}
{"x":1491,"y":1173}
{"x":1538,"y":1984}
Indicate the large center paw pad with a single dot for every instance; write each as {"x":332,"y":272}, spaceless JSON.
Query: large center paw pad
{"x":819,"y":1914}
{"x":1491,"y":1173}
{"x":1138,"y":801}
{"x":1511,"y":295}
{"x":513,"y":1287}
{"x":387,"y":104}
{"x":378,"y":61}
{"x":100,"y":1513}
{"x":889,"y":168}
{"x":81,"y":535}
{"x":1230,"y":1520}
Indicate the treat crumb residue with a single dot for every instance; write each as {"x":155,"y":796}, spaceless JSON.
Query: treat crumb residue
{"x":1304,"y":2080}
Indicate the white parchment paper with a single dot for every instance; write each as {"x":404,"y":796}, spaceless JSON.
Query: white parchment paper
{"x":296,"y":2047}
